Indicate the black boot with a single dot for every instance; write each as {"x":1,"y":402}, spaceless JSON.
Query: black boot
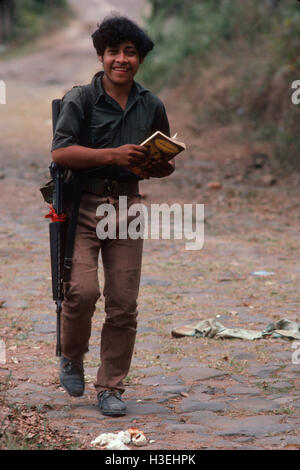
{"x":111,"y":403}
{"x":72,"y":376}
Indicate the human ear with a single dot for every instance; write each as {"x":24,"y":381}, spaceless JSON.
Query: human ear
{"x":100,"y":57}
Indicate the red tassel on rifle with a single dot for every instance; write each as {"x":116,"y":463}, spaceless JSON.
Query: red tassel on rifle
{"x":54,"y":216}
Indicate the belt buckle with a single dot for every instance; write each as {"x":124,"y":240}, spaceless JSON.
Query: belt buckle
{"x":109,"y":188}
{"x":114,"y":189}
{"x":106,"y":189}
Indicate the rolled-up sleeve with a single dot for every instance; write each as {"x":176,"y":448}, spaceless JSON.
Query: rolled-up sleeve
{"x":70,"y":120}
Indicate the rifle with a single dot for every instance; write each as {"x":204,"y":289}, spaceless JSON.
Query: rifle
{"x":61,"y":232}
{"x":57,"y":233}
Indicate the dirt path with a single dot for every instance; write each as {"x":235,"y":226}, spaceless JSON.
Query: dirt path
{"x":185,"y":393}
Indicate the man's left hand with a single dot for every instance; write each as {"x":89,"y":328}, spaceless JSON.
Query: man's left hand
{"x":160,"y":168}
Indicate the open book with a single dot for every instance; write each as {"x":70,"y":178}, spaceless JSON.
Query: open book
{"x":161,"y":147}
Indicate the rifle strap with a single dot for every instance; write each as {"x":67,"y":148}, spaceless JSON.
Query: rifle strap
{"x":89,"y":97}
{"x":78,"y":181}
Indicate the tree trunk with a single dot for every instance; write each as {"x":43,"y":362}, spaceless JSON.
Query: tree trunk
{"x":7,"y":8}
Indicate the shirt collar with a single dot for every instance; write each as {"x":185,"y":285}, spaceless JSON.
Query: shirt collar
{"x":138,"y":89}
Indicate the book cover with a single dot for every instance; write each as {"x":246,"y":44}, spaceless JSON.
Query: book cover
{"x":161,"y":147}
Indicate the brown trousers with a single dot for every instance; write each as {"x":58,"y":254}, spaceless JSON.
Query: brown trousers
{"x":121,"y":259}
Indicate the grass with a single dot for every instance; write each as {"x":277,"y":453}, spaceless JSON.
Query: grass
{"x":289,"y":410}
{"x":132,"y":379}
{"x":263,"y":354}
{"x":231,"y":366}
{"x":171,"y":349}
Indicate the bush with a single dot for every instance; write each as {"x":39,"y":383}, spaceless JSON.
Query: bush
{"x":193,"y":28}
{"x":188,"y":35}
{"x":31,"y":17}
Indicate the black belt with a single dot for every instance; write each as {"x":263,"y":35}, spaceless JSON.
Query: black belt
{"x":111,"y":188}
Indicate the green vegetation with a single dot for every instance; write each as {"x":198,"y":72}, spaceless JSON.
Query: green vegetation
{"x":22,"y":20}
{"x":258,"y":41}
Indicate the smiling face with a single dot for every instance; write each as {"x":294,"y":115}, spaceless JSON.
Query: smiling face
{"x":121,"y":63}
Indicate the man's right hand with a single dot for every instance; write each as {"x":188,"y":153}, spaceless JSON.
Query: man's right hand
{"x":129,"y":155}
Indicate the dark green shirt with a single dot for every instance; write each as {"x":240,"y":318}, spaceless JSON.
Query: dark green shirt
{"x":110,"y":126}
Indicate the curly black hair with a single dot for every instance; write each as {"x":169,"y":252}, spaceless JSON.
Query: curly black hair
{"x":116,"y":29}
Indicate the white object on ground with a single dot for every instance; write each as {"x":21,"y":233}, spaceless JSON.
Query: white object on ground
{"x":113,"y":441}
{"x":139,"y":439}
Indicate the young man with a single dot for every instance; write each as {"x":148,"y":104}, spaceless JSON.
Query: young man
{"x":123,"y":114}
